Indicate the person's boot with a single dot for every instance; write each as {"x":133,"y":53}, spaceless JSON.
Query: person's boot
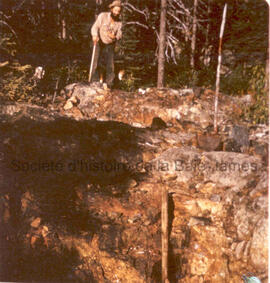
{"x":96,"y":84}
{"x":105,"y":86}
{"x":109,"y":86}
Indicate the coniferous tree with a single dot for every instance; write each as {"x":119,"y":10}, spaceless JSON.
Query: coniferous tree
{"x":162,"y":42}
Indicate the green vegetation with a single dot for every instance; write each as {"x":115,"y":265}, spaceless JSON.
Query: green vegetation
{"x":258,"y":113}
{"x":57,"y":37}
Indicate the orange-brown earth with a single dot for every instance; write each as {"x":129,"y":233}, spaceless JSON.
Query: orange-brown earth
{"x":81,"y":188}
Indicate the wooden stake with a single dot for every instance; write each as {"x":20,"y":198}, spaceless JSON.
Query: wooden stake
{"x":218,"y":66}
{"x":164,"y":231}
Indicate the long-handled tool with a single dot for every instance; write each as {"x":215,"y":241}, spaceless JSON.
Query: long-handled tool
{"x":55,"y":90}
{"x":92,"y":63}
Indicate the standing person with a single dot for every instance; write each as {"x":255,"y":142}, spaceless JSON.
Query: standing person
{"x":105,"y":32}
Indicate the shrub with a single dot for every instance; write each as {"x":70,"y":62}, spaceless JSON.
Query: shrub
{"x":258,"y":112}
{"x":15,"y":82}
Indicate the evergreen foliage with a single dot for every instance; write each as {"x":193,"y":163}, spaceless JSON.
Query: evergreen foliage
{"x":56,"y":35}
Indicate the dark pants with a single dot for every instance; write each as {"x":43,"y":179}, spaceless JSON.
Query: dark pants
{"x":104,"y":61}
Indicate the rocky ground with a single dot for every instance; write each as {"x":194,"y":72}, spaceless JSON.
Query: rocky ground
{"x":81,"y":188}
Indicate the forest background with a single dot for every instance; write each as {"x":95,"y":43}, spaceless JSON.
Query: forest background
{"x":56,"y":36}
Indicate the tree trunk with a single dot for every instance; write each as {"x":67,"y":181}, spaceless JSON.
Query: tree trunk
{"x":43,"y":7}
{"x":207,"y":51}
{"x":267,"y":67}
{"x":59,"y":19}
{"x":62,"y":34}
{"x":98,"y":6}
{"x":194,"y":29}
{"x":162,"y":42}
{"x":64,"y":29}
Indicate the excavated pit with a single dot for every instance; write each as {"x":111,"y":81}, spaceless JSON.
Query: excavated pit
{"x":81,"y":193}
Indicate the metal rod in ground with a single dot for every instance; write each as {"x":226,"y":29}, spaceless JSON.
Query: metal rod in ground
{"x":164,"y":233}
{"x":55,"y":90}
{"x":218,"y":66}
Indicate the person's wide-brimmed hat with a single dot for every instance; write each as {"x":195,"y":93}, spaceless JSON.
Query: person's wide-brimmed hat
{"x":115,"y":4}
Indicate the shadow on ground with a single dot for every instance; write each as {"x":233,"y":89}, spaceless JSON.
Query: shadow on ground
{"x":50,"y":161}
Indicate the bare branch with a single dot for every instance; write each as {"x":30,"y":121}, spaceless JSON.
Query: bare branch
{"x":144,"y":12}
{"x":171,"y":40}
{"x":11,"y":29}
{"x":180,"y":5}
{"x":3,"y":64}
{"x":18,"y":6}
{"x":136,"y":23}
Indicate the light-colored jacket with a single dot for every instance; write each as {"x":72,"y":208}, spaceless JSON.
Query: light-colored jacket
{"x":103,"y":25}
